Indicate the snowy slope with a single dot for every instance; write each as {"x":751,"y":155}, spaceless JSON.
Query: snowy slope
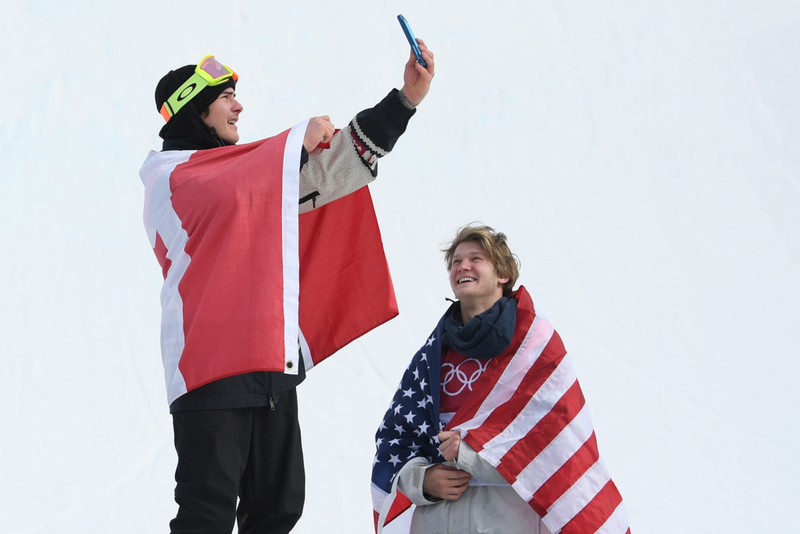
{"x":642,"y":157}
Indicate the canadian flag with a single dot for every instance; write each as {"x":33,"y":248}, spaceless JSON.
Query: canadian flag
{"x":246,"y":277}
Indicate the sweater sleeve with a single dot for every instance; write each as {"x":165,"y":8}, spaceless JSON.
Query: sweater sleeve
{"x":410,"y":480}
{"x":351,"y":161}
{"x":469,"y":461}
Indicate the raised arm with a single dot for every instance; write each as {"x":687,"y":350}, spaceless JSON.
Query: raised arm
{"x":351,"y":159}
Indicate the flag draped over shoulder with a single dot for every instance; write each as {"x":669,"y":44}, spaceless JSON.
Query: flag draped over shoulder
{"x":234,"y":251}
{"x":526,"y":416}
{"x":408,"y":431}
{"x":345,"y":286}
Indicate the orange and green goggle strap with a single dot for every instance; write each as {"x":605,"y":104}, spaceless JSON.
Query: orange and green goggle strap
{"x":209,"y":72}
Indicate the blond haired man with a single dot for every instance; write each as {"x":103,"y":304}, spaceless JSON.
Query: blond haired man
{"x":486,"y":432}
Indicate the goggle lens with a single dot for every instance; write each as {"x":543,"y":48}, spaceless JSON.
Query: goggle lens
{"x":214,"y":68}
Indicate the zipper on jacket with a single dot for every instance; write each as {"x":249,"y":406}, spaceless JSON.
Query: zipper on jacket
{"x":269,"y":383}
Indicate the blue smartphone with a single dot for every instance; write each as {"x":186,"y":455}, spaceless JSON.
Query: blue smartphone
{"x":412,"y":40}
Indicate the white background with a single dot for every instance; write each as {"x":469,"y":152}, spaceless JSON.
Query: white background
{"x":643,"y":158}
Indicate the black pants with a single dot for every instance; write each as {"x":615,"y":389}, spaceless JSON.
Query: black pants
{"x":254,"y":454}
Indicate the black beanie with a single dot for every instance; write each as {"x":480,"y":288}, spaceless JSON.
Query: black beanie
{"x":186,"y":130}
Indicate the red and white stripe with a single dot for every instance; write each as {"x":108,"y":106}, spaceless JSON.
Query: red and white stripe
{"x":166,"y":220}
{"x":528,"y":418}
{"x":160,"y":219}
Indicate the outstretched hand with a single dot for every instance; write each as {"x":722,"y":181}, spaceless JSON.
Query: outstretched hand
{"x":416,"y":78}
{"x":319,"y":130}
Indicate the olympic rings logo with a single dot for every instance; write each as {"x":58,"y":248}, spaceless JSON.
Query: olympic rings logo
{"x":455,"y":375}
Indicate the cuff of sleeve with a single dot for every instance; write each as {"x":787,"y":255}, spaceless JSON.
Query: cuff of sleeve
{"x":412,"y":477}
{"x":467,"y":458}
{"x":405,"y":101}
{"x":471,"y":462}
{"x":378,"y":128}
{"x":398,"y":106}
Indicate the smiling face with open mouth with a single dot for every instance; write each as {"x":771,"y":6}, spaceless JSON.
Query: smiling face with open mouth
{"x":223,"y":114}
{"x":474,"y":279}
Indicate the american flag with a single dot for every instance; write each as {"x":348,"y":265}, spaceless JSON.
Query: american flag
{"x":526,"y":416}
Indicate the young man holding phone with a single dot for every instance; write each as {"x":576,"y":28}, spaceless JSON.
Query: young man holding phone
{"x":223,"y":222}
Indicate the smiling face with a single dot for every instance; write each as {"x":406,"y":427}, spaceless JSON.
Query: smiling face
{"x":223,"y":114}
{"x":474,"y":279}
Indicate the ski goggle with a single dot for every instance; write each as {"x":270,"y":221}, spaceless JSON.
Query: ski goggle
{"x":209,"y":72}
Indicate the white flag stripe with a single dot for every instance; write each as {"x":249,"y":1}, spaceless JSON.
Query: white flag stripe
{"x":577,"y":497}
{"x":155,"y":174}
{"x":537,"y":408}
{"x":529,"y":351}
{"x":555,"y":455}
{"x":617,"y":523}
{"x":156,"y":166}
{"x":378,"y":497}
{"x":291,"y":246}
{"x":173,"y":339}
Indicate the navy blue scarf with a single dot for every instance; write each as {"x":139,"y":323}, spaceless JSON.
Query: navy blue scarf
{"x":484,"y":336}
